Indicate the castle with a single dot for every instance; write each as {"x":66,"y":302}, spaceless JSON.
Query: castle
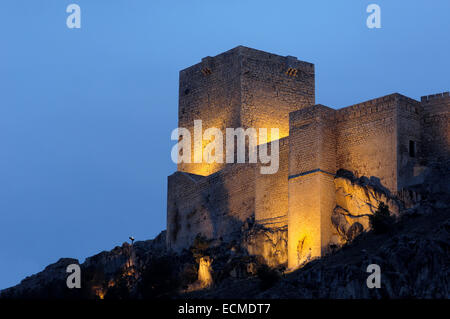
{"x":393,"y":138}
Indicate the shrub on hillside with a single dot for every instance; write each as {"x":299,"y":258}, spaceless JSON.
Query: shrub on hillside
{"x":160,"y":277}
{"x":381,"y":221}
{"x":267,"y":276}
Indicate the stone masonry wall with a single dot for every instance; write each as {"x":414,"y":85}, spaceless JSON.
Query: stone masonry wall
{"x":312,"y":164}
{"x":271,"y":195}
{"x":214,"y":206}
{"x":436,"y":127}
{"x":367,"y":139}
{"x":269,"y":92}
{"x":242,"y":87}
{"x":209,"y":91}
{"x":391,"y":140}
{"x":409,"y":132}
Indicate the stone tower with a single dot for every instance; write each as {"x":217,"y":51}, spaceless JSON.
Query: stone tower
{"x":311,"y":191}
{"x":245,"y":88}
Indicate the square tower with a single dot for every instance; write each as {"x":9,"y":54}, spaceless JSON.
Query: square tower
{"x":312,"y":165}
{"x":242,"y":87}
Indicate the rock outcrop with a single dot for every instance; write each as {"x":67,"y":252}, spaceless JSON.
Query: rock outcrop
{"x":356,"y":200}
{"x":413,"y":263}
{"x":99,"y":274}
{"x":204,"y":272}
{"x":413,"y":259}
{"x":269,"y":243}
{"x":49,"y":283}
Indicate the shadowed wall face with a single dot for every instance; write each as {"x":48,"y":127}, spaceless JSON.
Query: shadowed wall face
{"x":271,"y":196}
{"x":409,"y":143}
{"x":435,"y":127}
{"x":213,"y":206}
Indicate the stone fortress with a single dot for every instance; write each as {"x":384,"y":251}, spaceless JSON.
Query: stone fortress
{"x":390,"y":140}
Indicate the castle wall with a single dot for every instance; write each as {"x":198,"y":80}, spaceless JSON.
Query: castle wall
{"x":367,"y":139}
{"x":408,"y":140}
{"x":311,"y":191}
{"x":436,"y":127}
{"x":214,"y":206}
{"x":271,"y":195}
{"x":209,"y":91}
{"x":392,"y":138}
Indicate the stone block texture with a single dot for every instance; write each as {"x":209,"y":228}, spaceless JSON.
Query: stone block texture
{"x":312,"y":164}
{"x":245,"y":88}
{"x":391,"y":140}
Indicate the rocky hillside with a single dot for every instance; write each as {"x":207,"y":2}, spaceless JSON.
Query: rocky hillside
{"x":413,"y":257}
{"x":413,"y":253}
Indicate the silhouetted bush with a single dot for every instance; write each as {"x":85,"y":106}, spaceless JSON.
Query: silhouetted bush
{"x":267,"y":276}
{"x":160,"y":277}
{"x":381,"y":221}
{"x":119,"y":291}
{"x":188,"y":275}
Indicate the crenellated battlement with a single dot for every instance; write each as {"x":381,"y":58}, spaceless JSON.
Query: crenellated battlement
{"x":387,"y":102}
{"x":435,"y":97}
{"x":366,"y":108}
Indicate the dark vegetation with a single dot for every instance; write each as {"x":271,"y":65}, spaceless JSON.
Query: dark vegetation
{"x":381,"y":221}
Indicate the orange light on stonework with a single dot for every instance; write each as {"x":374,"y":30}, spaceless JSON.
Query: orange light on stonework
{"x":100,"y":293}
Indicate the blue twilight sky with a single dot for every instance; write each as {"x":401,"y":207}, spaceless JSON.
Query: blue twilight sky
{"x":86,"y":115}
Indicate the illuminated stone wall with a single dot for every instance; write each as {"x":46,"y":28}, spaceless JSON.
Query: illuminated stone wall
{"x":214,"y":206}
{"x":268,"y":94}
{"x":209,"y":91}
{"x":436,"y":127}
{"x":390,"y":139}
{"x":311,"y":189}
{"x":242,"y":87}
